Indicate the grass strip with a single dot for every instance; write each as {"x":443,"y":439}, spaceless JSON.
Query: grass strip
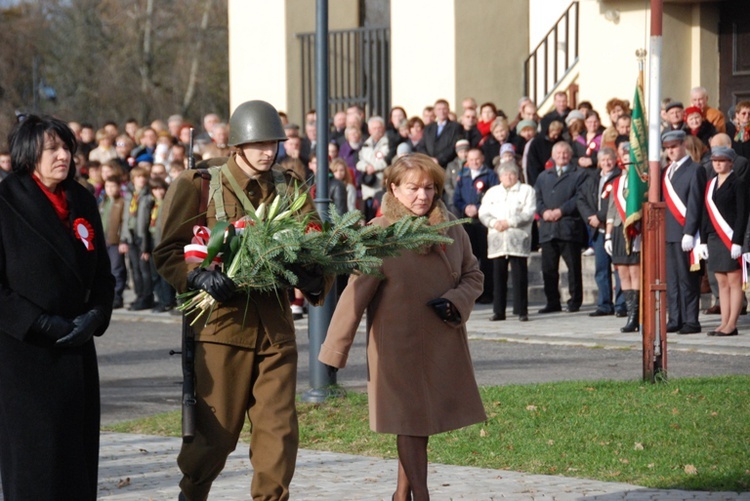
{"x":689,"y":434}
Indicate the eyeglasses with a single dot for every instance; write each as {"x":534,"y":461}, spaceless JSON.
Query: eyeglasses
{"x":121,"y":144}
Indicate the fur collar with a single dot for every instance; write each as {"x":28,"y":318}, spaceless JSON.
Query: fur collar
{"x":393,"y":210}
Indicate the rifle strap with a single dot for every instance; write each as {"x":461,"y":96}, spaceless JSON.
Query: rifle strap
{"x":205,"y":184}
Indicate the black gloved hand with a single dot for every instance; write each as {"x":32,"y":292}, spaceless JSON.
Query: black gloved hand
{"x":52,"y":327}
{"x":85,"y":327}
{"x":445,"y":310}
{"x":216,"y":283}
{"x":309,"y":278}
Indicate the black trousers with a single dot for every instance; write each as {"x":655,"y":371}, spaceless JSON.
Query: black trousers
{"x":552,"y":251}
{"x":683,"y":288}
{"x":478,"y":238}
{"x":519,"y":273}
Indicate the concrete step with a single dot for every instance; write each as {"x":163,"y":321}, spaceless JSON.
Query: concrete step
{"x":536,"y":283}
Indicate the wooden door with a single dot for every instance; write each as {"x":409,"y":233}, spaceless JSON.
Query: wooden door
{"x":734,"y":49}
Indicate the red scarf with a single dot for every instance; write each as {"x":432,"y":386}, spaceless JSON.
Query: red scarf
{"x":58,"y":201}
{"x":484,"y":127}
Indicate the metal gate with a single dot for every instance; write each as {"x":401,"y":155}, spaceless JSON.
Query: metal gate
{"x":359,"y":70}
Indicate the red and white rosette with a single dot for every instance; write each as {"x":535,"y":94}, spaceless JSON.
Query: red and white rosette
{"x":479,"y":185}
{"x":84,"y":232}
{"x":196,"y":251}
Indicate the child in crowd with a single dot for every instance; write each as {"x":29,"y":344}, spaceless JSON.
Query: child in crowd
{"x":111,"y":209}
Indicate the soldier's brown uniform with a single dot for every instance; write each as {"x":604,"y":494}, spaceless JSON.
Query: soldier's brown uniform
{"x":246,"y":354}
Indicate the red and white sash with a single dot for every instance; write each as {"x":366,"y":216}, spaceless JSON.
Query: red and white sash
{"x":674,"y":203}
{"x":678,"y":210}
{"x":723,"y":229}
{"x":619,"y":198}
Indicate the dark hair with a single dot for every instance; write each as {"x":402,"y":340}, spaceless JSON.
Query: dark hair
{"x":157,"y":183}
{"x":26,"y":142}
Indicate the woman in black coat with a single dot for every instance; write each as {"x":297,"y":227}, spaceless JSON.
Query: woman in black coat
{"x":723,"y":226}
{"x":56,"y":293}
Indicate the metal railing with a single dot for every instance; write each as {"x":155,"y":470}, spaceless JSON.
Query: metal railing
{"x":359,"y":70}
{"x":554,"y":57}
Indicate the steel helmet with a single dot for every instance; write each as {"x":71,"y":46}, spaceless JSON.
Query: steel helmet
{"x":255,"y":122}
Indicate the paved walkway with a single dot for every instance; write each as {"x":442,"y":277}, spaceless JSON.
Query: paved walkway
{"x":139,"y":467}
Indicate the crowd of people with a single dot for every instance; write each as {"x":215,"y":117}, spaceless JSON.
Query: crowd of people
{"x":524,"y":183}
{"x":493,"y":161}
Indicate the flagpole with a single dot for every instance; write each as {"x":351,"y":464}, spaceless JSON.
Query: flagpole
{"x":654,"y":103}
{"x":653,"y":257}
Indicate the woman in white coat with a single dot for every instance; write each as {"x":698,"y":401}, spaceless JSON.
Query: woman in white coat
{"x":507,"y":210}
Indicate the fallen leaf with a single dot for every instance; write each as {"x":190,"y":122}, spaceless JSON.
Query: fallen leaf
{"x":531,"y":408}
{"x":550,"y":442}
{"x":638,"y":446}
{"x":123,"y":483}
{"x":651,"y":465}
{"x":714,"y":414}
{"x":676,"y":391}
{"x":675,"y":411}
{"x":143,"y":451}
{"x":625,"y":461}
{"x":690,"y":469}
{"x":482,"y":433}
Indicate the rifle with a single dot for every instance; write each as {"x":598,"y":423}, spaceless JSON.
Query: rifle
{"x":188,"y":353}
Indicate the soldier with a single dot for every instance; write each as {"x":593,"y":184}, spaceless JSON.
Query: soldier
{"x":246,"y":353}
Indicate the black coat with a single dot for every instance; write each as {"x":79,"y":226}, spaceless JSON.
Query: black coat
{"x":731,"y":200}
{"x":689,"y":182}
{"x":442,"y":147}
{"x":49,"y":397}
{"x":560,"y":192}
{"x":590,"y":200}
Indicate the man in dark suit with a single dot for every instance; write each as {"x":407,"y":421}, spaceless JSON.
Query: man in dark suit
{"x":684,"y":187}
{"x":441,"y":135}
{"x":562,"y":232}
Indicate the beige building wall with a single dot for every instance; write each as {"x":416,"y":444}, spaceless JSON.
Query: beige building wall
{"x":264,"y":52}
{"x":608,"y":41}
{"x":257,"y":52}
{"x":423,"y":53}
{"x":489,"y":66}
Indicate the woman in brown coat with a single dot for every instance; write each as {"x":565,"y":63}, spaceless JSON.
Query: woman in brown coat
{"x":421,"y":378}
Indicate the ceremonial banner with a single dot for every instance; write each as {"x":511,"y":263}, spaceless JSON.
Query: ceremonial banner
{"x":638,"y":168}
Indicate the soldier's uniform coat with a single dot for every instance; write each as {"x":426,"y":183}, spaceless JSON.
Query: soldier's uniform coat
{"x":246,"y":353}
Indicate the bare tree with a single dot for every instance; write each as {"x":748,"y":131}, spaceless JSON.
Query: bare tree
{"x":115,"y":59}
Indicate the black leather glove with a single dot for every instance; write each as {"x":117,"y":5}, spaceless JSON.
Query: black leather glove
{"x":85,"y":327}
{"x":445,"y":310}
{"x":52,"y":327}
{"x":216,"y":283}
{"x":309,"y":278}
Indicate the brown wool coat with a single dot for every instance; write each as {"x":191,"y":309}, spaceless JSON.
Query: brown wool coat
{"x":421,"y":378}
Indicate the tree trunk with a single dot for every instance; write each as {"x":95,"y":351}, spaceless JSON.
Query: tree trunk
{"x":190,"y":90}
{"x":147,"y":60}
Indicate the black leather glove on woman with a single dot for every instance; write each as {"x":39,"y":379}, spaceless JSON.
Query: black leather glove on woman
{"x":216,"y":283}
{"x":85,"y":328}
{"x":52,"y":327}
{"x":309,"y":278}
{"x":445,"y":310}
